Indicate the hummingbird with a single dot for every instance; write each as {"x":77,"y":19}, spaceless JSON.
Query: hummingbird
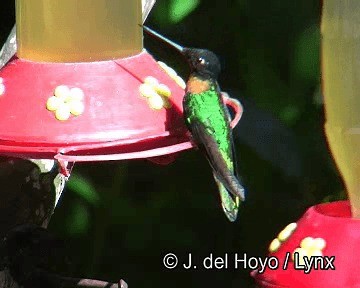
{"x":208,"y":120}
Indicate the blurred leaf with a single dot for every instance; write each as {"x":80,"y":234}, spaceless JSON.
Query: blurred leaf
{"x":78,"y":221}
{"x":307,"y":54}
{"x":82,"y":187}
{"x":179,"y":9}
{"x":290,"y":114}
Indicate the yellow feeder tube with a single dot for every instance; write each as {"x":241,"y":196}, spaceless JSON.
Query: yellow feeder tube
{"x":78,"y":31}
{"x":341,"y":87}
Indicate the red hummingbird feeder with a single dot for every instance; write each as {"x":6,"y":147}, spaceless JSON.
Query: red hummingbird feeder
{"x":76,"y":85}
{"x":322,"y":248}
{"x":84,"y":89}
{"x":328,"y":236}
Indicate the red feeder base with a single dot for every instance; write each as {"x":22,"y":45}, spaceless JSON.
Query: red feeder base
{"x":116,"y":110}
{"x":94,"y":111}
{"x":332,"y":236}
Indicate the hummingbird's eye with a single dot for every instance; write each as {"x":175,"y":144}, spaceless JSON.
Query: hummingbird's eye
{"x":201,"y":61}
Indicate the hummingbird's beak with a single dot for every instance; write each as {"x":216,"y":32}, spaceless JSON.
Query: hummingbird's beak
{"x":164,"y":39}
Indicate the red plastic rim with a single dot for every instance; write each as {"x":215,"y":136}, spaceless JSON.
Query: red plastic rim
{"x":117,"y":122}
{"x":332,"y":224}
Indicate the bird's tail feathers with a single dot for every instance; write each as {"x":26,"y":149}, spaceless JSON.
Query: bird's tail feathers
{"x":229,"y":203}
{"x":233,"y":185}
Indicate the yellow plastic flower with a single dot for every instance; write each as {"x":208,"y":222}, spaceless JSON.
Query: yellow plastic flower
{"x":282,"y":237}
{"x":66,"y":102}
{"x":157,"y":94}
{"x":310,"y":246}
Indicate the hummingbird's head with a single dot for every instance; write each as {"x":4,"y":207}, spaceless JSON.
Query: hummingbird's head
{"x":203,"y":62}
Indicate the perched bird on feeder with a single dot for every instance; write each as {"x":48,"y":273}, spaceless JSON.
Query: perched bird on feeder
{"x":208,"y":120}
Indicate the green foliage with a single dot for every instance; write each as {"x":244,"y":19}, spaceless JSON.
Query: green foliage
{"x":290,"y":114}
{"x":179,"y":9}
{"x":78,"y":219}
{"x":83,"y":188}
{"x":171,"y":12}
{"x":306,"y":60}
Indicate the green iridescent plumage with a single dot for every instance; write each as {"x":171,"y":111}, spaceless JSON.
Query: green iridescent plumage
{"x":206,"y":107}
{"x":208,"y":121}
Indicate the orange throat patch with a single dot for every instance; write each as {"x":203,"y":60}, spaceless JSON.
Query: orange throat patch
{"x":197,"y":86}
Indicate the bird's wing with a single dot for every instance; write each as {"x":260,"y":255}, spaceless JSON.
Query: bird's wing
{"x":224,"y":173}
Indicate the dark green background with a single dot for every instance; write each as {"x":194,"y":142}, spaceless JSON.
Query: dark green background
{"x":121,"y":218}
